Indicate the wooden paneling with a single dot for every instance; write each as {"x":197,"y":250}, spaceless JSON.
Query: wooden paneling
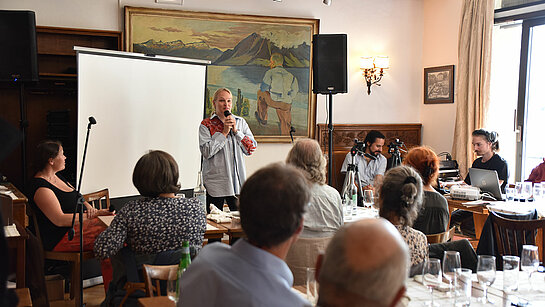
{"x":344,"y":135}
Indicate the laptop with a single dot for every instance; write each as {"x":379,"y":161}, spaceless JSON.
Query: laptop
{"x":486,"y":180}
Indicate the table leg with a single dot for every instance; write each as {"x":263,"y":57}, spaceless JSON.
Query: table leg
{"x":478,"y":220}
{"x":21,"y":258}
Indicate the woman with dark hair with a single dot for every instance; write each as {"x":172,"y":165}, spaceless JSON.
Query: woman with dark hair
{"x":400,"y":199}
{"x":53,"y":201}
{"x":434,"y":215}
{"x":158,"y":222}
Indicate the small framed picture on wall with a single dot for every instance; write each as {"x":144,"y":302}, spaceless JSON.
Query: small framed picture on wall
{"x":439,"y":84}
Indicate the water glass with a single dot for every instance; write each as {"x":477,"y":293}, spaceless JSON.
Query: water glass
{"x":526,"y":190}
{"x":451,"y":266}
{"x":510,"y":273}
{"x":172,"y":286}
{"x":486,"y":274}
{"x":538,"y":192}
{"x":518,"y":190}
{"x":463,"y":287}
{"x":529,"y":261}
{"x":510,"y":194}
{"x":312,"y":286}
{"x":368,"y":198}
{"x":431,"y":276}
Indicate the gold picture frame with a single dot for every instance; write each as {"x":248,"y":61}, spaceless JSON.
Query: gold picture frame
{"x":244,"y":50}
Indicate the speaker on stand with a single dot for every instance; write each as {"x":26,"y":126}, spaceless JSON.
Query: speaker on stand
{"x":329,"y":77}
{"x":19,"y":61}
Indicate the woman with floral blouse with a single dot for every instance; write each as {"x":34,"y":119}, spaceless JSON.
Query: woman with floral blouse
{"x":160,"y":221}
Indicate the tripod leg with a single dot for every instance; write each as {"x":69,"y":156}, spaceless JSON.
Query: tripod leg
{"x":345,"y":184}
{"x":360,"y":189}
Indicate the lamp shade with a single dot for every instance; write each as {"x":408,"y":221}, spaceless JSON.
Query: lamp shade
{"x":382,"y":62}
{"x":366,"y":63}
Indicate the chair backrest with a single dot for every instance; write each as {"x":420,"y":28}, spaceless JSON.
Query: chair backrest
{"x":99,"y":199}
{"x":153,"y":274}
{"x":510,"y":234}
{"x":441,"y":237}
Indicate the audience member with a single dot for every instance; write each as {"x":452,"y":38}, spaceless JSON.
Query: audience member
{"x":323,"y":215}
{"x":538,"y":173}
{"x":252,"y":272}
{"x":53,"y":201}
{"x":400,"y":199}
{"x":160,"y":221}
{"x":365,"y":264}
{"x":371,"y":163}
{"x":434,"y":216}
{"x":485,"y":144}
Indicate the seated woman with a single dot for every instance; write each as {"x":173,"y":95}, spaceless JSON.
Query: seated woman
{"x":400,"y":199}
{"x":434,"y":215}
{"x":53,"y":201}
{"x":323,"y":216}
{"x":160,"y":221}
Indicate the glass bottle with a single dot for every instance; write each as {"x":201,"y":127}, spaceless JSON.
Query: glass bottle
{"x":200,"y":191}
{"x":185,"y":261}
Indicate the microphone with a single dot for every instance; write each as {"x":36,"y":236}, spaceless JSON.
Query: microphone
{"x":92,"y":121}
{"x":228,"y":113}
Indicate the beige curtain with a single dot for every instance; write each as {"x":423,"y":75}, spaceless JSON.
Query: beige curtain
{"x":472,"y":76}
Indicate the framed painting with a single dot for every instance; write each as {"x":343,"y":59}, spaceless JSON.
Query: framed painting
{"x":264,"y":61}
{"x":439,"y":84}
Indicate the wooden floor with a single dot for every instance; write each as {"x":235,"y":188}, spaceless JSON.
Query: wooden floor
{"x":92,"y":297}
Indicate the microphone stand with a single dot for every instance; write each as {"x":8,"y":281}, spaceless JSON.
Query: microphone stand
{"x":79,"y":207}
{"x":292,"y":131}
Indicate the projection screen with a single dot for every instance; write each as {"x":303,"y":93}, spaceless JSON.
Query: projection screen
{"x":140,"y":103}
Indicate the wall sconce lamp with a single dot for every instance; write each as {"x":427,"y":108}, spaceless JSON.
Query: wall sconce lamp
{"x":373,"y":69}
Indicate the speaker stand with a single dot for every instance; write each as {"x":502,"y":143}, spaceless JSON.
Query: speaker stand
{"x":23,"y":124}
{"x":330,"y":146}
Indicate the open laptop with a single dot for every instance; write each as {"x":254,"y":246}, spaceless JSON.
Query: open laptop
{"x":486,"y":180}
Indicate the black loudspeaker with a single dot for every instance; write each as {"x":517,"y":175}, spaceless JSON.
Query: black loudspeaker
{"x":18,"y":58}
{"x":329,"y":64}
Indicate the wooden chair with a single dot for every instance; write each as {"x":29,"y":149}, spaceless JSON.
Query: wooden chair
{"x":72,"y":257}
{"x":510,"y":234}
{"x":99,"y":199}
{"x":157,"y":273}
{"x":441,"y":237}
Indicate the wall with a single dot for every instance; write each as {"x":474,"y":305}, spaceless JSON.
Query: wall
{"x":386,"y":27}
{"x":440,"y":47}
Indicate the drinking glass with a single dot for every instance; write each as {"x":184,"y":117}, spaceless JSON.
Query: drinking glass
{"x":529,"y":261}
{"x":368,"y":198}
{"x":510,"y":273}
{"x":486,"y":273}
{"x":463,"y":289}
{"x":312,"y":286}
{"x":172,"y":286}
{"x":526,"y":190}
{"x":431,"y":276}
{"x":518,"y":190}
{"x":537,"y":192}
{"x":451,"y":266}
{"x":510,"y":193}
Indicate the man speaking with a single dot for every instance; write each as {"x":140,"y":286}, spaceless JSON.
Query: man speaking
{"x":372,"y":164}
{"x":223,"y":139}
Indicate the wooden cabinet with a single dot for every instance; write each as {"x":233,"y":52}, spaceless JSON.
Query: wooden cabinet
{"x":49,"y":107}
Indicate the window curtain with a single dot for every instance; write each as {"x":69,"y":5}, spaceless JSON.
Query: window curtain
{"x":472,"y":77}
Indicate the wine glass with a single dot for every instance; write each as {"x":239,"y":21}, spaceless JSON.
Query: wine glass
{"x":529,"y":261}
{"x":486,"y":273}
{"x":431,"y":276}
{"x":451,"y":266}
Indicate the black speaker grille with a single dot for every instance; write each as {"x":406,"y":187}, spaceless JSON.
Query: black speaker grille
{"x":18,"y":57}
{"x":329,"y":64}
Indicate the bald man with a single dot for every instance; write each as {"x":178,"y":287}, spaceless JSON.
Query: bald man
{"x":365,"y":264}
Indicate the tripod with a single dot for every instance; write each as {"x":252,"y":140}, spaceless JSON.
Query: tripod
{"x":352,"y":174}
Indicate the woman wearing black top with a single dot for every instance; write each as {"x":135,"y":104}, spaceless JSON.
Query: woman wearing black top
{"x":53,"y":201}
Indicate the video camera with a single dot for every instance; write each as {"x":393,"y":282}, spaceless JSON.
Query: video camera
{"x":358,"y":148}
{"x":394,"y":146}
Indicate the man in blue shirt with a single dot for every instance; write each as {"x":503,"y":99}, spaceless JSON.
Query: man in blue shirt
{"x":252,"y":272}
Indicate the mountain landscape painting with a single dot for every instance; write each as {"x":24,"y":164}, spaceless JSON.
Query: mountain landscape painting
{"x":264,"y":61}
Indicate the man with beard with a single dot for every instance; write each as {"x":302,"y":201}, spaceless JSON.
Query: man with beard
{"x":372,"y":164}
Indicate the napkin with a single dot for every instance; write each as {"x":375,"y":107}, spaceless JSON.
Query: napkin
{"x":217,"y":215}
{"x":443,"y":287}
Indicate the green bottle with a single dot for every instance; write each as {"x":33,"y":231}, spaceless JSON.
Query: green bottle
{"x":185,"y":261}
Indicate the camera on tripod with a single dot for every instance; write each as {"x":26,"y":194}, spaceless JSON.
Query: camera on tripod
{"x":394,"y":146}
{"x":358,"y":148}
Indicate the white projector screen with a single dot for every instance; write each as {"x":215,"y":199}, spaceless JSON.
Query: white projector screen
{"x":140,"y":103}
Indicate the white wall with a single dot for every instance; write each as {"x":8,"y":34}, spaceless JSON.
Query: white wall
{"x":386,"y":27}
{"x":440,"y":47}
